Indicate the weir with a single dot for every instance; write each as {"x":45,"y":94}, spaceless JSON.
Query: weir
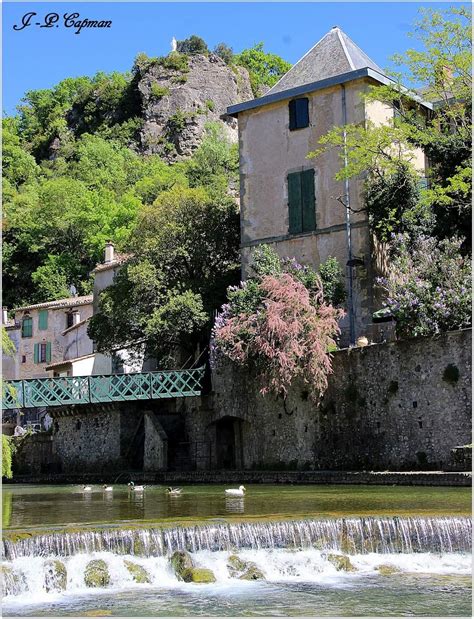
{"x":348,"y":535}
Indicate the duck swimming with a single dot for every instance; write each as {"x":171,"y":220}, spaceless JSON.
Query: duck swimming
{"x":174,"y":491}
{"x":86,"y":489}
{"x":134,"y":488}
{"x":235,"y":492}
{"x":107,"y":488}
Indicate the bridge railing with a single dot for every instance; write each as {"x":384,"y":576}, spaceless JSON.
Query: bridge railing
{"x":64,"y":390}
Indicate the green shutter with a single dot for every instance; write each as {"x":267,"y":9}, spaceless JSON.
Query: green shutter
{"x":37,"y":350}
{"x":294,"y":203}
{"x":43,"y":320}
{"x":48,"y":352}
{"x":308,"y":201}
{"x":27,"y":327}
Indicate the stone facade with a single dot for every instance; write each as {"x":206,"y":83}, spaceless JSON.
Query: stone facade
{"x":47,"y":332}
{"x":332,"y":81}
{"x":394,"y":406}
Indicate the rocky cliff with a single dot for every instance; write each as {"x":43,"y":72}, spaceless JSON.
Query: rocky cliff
{"x":180,"y":94}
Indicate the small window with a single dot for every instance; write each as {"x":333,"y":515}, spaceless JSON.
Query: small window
{"x":43,"y":352}
{"x":23,"y":358}
{"x":301,"y":202}
{"x":69,"y":320}
{"x":27,"y":327}
{"x":299,"y":114}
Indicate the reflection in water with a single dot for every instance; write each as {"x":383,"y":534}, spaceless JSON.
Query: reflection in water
{"x":25,"y":505}
{"x":235,"y":505}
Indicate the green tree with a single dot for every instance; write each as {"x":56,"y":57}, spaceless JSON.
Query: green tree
{"x":192,"y":45}
{"x":185,"y":253}
{"x":225,"y":52}
{"x":265,"y":69}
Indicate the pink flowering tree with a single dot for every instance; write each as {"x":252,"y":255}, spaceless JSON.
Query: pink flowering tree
{"x":278,"y":324}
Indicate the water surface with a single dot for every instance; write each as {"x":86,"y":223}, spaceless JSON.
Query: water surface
{"x":31,"y":506}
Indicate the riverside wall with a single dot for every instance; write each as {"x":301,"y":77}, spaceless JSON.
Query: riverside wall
{"x":398,"y":406}
{"x":394,"y":406}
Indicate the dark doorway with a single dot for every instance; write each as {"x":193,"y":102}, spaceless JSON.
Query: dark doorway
{"x":225,"y":443}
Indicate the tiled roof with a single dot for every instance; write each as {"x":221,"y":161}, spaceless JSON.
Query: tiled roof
{"x":67,"y":361}
{"x":117,"y":261}
{"x":333,"y":55}
{"x":69,"y":302}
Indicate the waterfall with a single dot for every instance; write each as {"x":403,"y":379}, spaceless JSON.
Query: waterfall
{"x":348,"y":535}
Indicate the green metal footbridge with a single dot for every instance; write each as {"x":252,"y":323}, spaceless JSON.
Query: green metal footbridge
{"x":67,"y":390}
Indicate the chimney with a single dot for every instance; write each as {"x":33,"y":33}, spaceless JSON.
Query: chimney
{"x":4,"y":316}
{"x":109,"y":252}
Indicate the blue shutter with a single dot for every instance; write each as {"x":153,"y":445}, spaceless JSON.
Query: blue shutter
{"x":36,"y":353}
{"x":302,"y":113}
{"x":48,"y":352}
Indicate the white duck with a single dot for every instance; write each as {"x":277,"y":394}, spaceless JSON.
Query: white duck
{"x":107,"y":488}
{"x":174,"y":491}
{"x":134,"y":488}
{"x":235,"y":492}
{"x":86,"y":489}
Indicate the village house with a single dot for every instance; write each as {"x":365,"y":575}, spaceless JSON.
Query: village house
{"x":294,"y":203}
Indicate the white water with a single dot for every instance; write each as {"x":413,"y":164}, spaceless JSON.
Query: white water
{"x":279,"y":565}
{"x":284,"y":551}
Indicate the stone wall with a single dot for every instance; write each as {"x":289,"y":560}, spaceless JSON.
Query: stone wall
{"x":395,"y":406}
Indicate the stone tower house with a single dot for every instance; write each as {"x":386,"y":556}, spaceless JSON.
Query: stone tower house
{"x":294,"y":203}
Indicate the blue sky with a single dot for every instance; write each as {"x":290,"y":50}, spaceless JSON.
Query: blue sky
{"x":40,"y":57}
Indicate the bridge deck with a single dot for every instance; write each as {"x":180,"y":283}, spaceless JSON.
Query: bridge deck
{"x":38,"y":392}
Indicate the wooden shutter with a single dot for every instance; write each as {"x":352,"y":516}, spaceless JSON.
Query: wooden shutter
{"x":27,"y":327}
{"x":302,"y":113}
{"x":308,"y":201}
{"x":43,"y":320}
{"x":37,"y":353}
{"x":48,"y":352}
{"x":292,"y":109}
{"x":294,"y":203}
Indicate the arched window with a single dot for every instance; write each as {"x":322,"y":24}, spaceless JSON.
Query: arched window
{"x":27,"y":327}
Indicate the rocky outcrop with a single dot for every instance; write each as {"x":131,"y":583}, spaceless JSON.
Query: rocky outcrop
{"x":185,"y":569}
{"x":55,"y":575}
{"x":139,"y":573}
{"x":342,"y":563}
{"x":96,"y":574}
{"x":243,"y":570}
{"x":180,"y":94}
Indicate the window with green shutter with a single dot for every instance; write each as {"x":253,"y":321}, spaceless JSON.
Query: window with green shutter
{"x":27,"y":327}
{"x":42,"y":352}
{"x":301,"y":202}
{"x":43,"y":320}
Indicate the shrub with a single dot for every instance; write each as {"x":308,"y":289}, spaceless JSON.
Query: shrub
{"x":225,"y":52}
{"x":428,"y":286}
{"x":210,"y":104}
{"x":159,"y":91}
{"x":333,"y":282}
{"x":7,"y":456}
{"x":175,"y":62}
{"x":278,"y":326}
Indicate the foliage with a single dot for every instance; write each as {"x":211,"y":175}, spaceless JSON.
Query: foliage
{"x":159,"y":91}
{"x":225,"y":52}
{"x":215,"y":163}
{"x":8,"y":347}
{"x":265,"y":69}
{"x":332,"y":279}
{"x":278,"y":326}
{"x":7,"y":456}
{"x":385,"y":153}
{"x":185,"y":254}
{"x":192,"y":45}
{"x":429,"y":288}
